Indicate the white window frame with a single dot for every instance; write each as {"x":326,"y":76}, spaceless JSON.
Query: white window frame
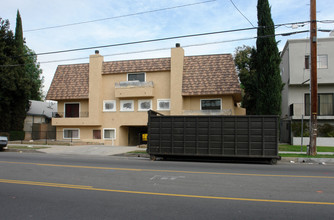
{"x":114,"y":138}
{"x":71,"y":129}
{"x":127,"y":76}
{"x":221,"y":104}
{"x":109,"y":101}
{"x":122,"y":102}
{"x":65,"y":103}
{"x":144,"y":100}
{"x":318,"y":61}
{"x":162,"y":100}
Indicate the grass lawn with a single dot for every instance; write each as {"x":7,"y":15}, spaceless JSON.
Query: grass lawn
{"x":297,"y":148}
{"x":138,"y":152}
{"x":306,"y":156}
{"x":26,"y":147}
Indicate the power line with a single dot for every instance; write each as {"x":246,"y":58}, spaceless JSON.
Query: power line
{"x":162,"y":39}
{"x":161,"y":49}
{"x":120,"y":16}
{"x":241,"y":13}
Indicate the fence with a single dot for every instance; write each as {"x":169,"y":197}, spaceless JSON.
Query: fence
{"x":40,"y":137}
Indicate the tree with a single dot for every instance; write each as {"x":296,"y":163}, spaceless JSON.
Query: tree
{"x":245,"y":64}
{"x":20,"y":77}
{"x":33,"y":73}
{"x":20,"y":97}
{"x":268,"y":80}
{"x":7,"y":74}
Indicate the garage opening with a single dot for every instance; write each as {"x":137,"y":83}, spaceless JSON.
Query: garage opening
{"x":137,"y":135}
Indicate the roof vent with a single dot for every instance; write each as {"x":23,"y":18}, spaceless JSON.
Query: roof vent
{"x":177,"y":45}
{"x":97,"y":52}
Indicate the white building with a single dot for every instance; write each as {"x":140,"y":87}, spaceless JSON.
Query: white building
{"x":295,"y":70}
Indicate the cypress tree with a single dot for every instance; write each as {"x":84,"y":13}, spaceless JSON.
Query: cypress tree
{"x":268,"y":80}
{"x":20,"y":98}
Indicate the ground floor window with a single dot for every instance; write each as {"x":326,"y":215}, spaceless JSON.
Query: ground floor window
{"x":109,"y":133}
{"x":96,"y":134}
{"x":325,"y":104}
{"x":71,"y":133}
{"x":211,"y":104}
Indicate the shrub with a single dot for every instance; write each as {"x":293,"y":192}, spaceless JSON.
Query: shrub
{"x":296,"y":129}
{"x":16,"y":135}
{"x":326,"y":130}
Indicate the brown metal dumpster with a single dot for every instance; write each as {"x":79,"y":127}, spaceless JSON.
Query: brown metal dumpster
{"x":213,"y":136}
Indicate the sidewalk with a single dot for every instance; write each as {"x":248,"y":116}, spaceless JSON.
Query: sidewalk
{"x":100,"y":150}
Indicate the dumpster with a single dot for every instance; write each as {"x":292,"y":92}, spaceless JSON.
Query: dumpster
{"x":213,"y":136}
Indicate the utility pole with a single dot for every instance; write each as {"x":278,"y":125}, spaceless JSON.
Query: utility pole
{"x":314,"y":81}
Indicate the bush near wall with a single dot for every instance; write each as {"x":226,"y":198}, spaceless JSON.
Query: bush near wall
{"x":324,"y":130}
{"x":16,"y":135}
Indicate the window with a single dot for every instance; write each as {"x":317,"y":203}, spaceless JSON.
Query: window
{"x":109,"y":106}
{"x":322,"y":62}
{"x":127,"y":105}
{"x":163,"y":104}
{"x":144,"y":105}
{"x":72,"y":110}
{"x":211,"y":104}
{"x":109,"y":133}
{"x":325,"y":104}
{"x":96,"y":134}
{"x":71,"y":133}
{"x":136,"y":77}
{"x":307,"y":62}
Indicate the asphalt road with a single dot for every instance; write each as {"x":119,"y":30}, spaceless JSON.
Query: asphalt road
{"x":43,"y":186}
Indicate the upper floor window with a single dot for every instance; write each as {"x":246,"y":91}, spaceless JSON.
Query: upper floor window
{"x":211,"y":104}
{"x":72,"y":110}
{"x":137,"y":77}
{"x":322,"y":62}
{"x":109,"y":106}
{"x":127,"y":105}
{"x":163,"y":104}
{"x":144,"y":105}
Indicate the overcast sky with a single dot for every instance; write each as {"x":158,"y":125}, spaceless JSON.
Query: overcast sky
{"x":208,"y":16}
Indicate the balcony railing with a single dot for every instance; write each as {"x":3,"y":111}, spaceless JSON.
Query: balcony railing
{"x":64,"y":115}
{"x":129,"y":84}
{"x":208,"y":112}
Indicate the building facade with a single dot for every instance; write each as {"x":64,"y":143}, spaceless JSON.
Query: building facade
{"x":295,"y":70}
{"x":107,"y":102}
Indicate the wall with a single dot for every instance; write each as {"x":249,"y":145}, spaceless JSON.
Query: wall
{"x":321,"y":141}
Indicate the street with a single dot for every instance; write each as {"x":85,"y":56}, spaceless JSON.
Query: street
{"x":44,"y":186}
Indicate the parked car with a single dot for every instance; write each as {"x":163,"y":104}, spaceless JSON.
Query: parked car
{"x":3,"y":142}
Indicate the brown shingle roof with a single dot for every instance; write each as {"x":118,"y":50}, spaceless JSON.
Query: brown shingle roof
{"x":210,"y":75}
{"x":69,"y":82}
{"x":133,"y":66}
{"x":203,"y":75}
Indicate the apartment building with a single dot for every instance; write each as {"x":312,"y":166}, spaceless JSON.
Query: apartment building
{"x":107,"y":102}
{"x":295,"y":70}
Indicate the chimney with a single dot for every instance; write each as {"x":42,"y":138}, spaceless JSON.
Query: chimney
{"x":176,"y":76}
{"x":95,"y":86}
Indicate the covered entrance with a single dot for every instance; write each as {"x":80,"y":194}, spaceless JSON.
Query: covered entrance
{"x":137,"y":135}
